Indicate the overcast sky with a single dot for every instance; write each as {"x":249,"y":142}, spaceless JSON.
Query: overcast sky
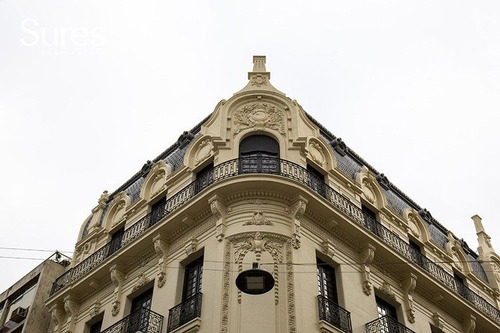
{"x":90,"y":90}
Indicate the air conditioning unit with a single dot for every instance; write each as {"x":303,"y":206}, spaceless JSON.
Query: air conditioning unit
{"x":19,"y":314}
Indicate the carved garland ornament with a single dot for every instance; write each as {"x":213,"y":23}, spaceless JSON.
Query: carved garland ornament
{"x":259,"y":116}
{"x":258,"y":219}
{"x":258,"y":80}
{"x":258,"y":242}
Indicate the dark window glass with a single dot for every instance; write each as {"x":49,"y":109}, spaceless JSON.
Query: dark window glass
{"x":193,"y":276}
{"x":416,"y":253}
{"x":460,"y":285}
{"x":158,"y":210}
{"x":370,"y":219}
{"x":139,"y":312}
{"x":204,"y":177}
{"x":327,"y":285}
{"x":316,"y":180}
{"x":116,"y":240}
{"x":96,"y":327}
{"x":385,"y":309}
{"x":259,"y":153}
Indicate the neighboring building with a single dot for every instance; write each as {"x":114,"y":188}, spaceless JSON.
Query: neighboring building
{"x":260,"y":180}
{"x":22,"y":308}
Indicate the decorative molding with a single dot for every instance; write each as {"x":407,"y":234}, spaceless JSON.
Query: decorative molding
{"x":191,"y":245}
{"x":367,"y":255}
{"x":57,"y":314}
{"x":316,"y":152}
{"x":259,"y":116}
{"x":95,"y":309}
{"x":219,"y":211}
{"x":142,"y":278}
{"x":328,"y":248}
{"x":297,"y":210}
{"x":469,"y":324}
{"x":225,"y":295}
{"x":204,"y":151}
{"x":258,"y":218}
{"x":71,"y":309}
{"x":118,"y":279}
{"x":409,"y":285}
{"x":161,"y":249}
{"x":290,"y":290}
{"x":438,"y":320}
{"x":386,"y":288}
{"x":258,"y":80}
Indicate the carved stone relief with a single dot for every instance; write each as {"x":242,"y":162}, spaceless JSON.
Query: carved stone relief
{"x":316,"y":153}
{"x":366,"y":256}
{"x":205,"y":150}
{"x":258,"y":80}
{"x":161,"y":249}
{"x":258,"y":218}
{"x":219,"y":211}
{"x":413,"y":226}
{"x":368,"y":191}
{"x":438,"y":320}
{"x":297,"y":210}
{"x":58,"y":316}
{"x":118,"y":279}
{"x":386,"y":288}
{"x":71,"y":309}
{"x":275,"y":245}
{"x":409,"y":285}
{"x":260,"y":115}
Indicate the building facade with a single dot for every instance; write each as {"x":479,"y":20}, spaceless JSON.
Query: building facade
{"x":260,"y":181}
{"x":22,"y":308}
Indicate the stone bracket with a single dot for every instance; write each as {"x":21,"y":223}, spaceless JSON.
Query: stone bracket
{"x":71,"y":308}
{"x":469,"y":324}
{"x":161,"y":248}
{"x":297,"y":209}
{"x":118,"y":279}
{"x":366,"y":256}
{"x":409,"y":285}
{"x":219,"y":211}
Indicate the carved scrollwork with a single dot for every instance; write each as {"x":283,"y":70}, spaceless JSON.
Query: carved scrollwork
{"x":367,"y":255}
{"x":205,"y":150}
{"x":259,"y":116}
{"x":297,"y":210}
{"x":219,"y":211}
{"x":316,"y":152}
{"x":117,"y":278}
{"x":409,"y":285}
{"x":258,"y":80}
{"x":258,"y":218}
{"x":161,"y":247}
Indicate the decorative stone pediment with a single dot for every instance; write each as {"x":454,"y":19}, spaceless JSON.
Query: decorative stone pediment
{"x":155,"y":182}
{"x":371,"y":190}
{"x":116,"y":212}
{"x":259,"y":116}
{"x":455,"y":250}
{"x":416,"y":226}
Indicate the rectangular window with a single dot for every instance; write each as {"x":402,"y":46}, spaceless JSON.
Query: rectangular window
{"x":204,"y":178}
{"x":370,"y":219}
{"x":116,"y":240}
{"x":96,"y":327}
{"x":316,"y":180}
{"x":157,"y":211}
{"x":139,"y":312}
{"x":416,"y":253}
{"x":193,"y":276}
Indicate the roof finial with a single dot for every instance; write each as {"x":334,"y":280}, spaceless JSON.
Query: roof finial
{"x":259,"y":76}
{"x":259,"y":63}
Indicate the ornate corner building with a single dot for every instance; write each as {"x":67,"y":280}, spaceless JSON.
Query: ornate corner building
{"x":260,"y":180}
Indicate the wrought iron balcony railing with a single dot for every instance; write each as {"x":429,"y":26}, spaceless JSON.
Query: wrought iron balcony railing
{"x":184,"y":312}
{"x":144,"y":321}
{"x":334,"y":314}
{"x":386,"y":324}
{"x":290,"y":170}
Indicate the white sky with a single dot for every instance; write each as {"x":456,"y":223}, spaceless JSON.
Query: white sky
{"x":90,"y":90}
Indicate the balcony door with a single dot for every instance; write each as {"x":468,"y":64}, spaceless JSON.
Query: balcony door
{"x":259,"y":153}
{"x":387,"y":313}
{"x":328,"y":297}
{"x":139,"y":312}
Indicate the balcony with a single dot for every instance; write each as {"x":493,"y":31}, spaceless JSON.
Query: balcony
{"x":292,"y":171}
{"x":386,"y":324}
{"x":333,"y":314}
{"x":184,"y":312}
{"x":144,"y":321}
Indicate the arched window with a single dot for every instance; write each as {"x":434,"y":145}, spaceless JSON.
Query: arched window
{"x":259,"y":153}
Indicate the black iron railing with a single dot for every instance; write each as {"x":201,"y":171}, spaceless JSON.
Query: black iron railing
{"x":290,"y":170}
{"x":184,"y":312}
{"x":144,"y":321}
{"x":334,"y":314}
{"x":386,"y":324}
